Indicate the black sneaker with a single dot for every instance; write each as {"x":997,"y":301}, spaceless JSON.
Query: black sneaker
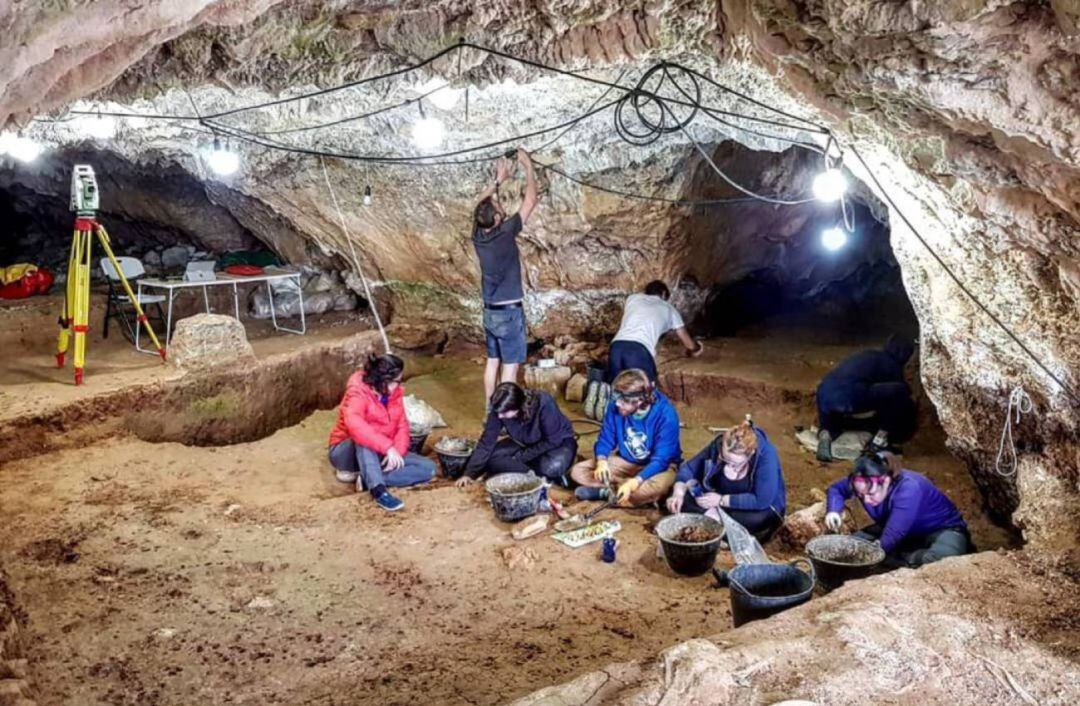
{"x":584,"y":492}
{"x":388,"y":502}
{"x":824,"y":447}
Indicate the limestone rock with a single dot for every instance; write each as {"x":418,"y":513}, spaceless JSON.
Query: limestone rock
{"x":803,"y":525}
{"x":207,"y":340}
{"x":175,"y":257}
{"x":575,"y":388}
{"x":551,"y":380}
{"x":411,"y":337}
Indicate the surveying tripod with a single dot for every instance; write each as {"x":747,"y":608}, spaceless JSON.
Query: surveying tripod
{"x":75,"y":317}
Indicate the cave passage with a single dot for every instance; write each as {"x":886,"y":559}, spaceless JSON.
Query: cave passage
{"x":766,"y":267}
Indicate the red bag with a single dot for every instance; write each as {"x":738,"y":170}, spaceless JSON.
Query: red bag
{"x":244,"y":270}
{"x":37,"y":282}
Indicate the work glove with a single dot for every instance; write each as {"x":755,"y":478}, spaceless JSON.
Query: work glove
{"x":602,"y":473}
{"x":833,"y":521}
{"x":625,"y":490}
{"x":678,"y":495}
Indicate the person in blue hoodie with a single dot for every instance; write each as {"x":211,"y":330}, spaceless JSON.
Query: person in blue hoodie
{"x":539,"y":437}
{"x":915,"y":522}
{"x":868,"y":382}
{"x":740,"y":473}
{"x":637,"y":446}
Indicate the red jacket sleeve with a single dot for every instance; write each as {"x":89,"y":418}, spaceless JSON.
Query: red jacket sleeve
{"x":401,"y":436}
{"x":354,"y":409}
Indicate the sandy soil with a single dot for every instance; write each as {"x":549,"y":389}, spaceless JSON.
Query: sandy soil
{"x":172,"y":574}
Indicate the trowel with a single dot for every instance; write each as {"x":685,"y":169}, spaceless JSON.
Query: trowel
{"x":577,"y":521}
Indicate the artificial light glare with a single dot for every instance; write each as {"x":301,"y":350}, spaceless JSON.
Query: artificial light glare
{"x":21,"y":148}
{"x":830,"y":185}
{"x":439,"y":93}
{"x":101,"y":127}
{"x":223,"y":161}
{"x":428,"y":133}
{"x":833,"y":239}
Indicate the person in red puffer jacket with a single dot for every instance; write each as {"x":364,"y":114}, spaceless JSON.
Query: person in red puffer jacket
{"x":369,"y":445}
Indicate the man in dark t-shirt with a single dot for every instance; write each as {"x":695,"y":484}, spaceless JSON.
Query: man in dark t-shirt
{"x":495,"y":240}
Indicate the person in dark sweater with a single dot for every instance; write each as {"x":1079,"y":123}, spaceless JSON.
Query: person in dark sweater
{"x":540,"y":437}
{"x":868,"y":381}
{"x":914,"y":521}
{"x":739,"y":472}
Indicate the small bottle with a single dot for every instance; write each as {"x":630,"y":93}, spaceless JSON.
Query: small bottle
{"x":608,"y":554}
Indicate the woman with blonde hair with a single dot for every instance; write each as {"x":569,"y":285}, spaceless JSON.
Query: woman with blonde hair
{"x":739,"y":472}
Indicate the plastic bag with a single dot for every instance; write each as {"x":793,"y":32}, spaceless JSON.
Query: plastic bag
{"x":744,"y":546}
{"x":421,"y":415}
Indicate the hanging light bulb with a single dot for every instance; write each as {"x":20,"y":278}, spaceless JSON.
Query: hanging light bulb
{"x":830,"y":185}
{"x":21,"y":148}
{"x":833,"y":239}
{"x":222,"y":161}
{"x":427,"y":132}
{"x":367,"y":195}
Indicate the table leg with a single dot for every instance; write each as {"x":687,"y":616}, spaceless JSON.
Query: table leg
{"x":138,"y":329}
{"x":236,"y":301}
{"x":303,"y":321}
{"x":206,"y":299}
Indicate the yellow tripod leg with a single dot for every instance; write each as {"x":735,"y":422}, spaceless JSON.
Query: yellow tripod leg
{"x":69,"y":299}
{"x":82,"y":305}
{"x":103,"y":236}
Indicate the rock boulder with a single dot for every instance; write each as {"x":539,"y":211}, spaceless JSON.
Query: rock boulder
{"x":208,"y":340}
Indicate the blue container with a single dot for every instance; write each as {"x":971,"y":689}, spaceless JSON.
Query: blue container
{"x":609,"y":550}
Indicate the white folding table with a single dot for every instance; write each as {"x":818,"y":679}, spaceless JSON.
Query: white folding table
{"x":172,"y":286}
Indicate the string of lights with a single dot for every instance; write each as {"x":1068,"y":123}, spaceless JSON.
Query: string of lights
{"x":655,"y":115}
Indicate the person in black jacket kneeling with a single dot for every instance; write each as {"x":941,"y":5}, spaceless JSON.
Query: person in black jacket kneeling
{"x":541,"y":438}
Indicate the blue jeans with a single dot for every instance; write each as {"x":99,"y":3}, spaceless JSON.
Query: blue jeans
{"x":347,"y":456}
{"x":504,"y":334}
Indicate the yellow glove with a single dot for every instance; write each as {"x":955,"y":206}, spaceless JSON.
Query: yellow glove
{"x":602,"y":473}
{"x":625,"y":490}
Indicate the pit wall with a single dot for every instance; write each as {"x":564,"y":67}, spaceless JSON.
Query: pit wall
{"x":232,"y":404}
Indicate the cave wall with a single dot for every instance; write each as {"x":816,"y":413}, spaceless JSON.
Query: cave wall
{"x":965,"y":111}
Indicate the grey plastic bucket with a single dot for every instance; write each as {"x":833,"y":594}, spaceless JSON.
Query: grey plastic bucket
{"x":761,"y":590}
{"x":514,"y":496}
{"x":840,"y":557}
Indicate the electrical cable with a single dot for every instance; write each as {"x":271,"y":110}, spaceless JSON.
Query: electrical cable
{"x":356,"y":260}
{"x":963,"y":287}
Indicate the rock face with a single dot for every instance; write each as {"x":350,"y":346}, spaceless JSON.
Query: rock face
{"x":966,"y":114}
{"x":207,"y":340}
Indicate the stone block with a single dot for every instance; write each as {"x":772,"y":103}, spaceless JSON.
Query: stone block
{"x":575,"y":388}
{"x":176,"y":256}
{"x":208,"y":340}
{"x":551,"y":380}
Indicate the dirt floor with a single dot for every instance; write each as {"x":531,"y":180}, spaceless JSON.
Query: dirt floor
{"x":167,"y":573}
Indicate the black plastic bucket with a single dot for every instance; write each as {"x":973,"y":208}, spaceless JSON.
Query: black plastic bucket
{"x":689,"y":558}
{"x":514,"y":496}
{"x":761,"y":590}
{"x":416,"y":442}
{"x":453,"y":465}
{"x":840,"y":557}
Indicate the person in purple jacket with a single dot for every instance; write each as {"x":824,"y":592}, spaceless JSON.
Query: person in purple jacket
{"x":914,"y":521}
{"x":539,"y":437}
{"x":739,"y":472}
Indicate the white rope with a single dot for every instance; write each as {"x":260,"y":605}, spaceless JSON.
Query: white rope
{"x":1019,"y":403}
{"x":355,"y":259}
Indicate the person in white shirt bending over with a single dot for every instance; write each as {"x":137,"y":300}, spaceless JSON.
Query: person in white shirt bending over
{"x":646,"y":318}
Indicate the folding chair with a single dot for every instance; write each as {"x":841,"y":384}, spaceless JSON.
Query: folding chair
{"x":119,"y":305}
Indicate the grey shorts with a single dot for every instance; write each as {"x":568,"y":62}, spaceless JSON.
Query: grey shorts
{"x":504,"y":331}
